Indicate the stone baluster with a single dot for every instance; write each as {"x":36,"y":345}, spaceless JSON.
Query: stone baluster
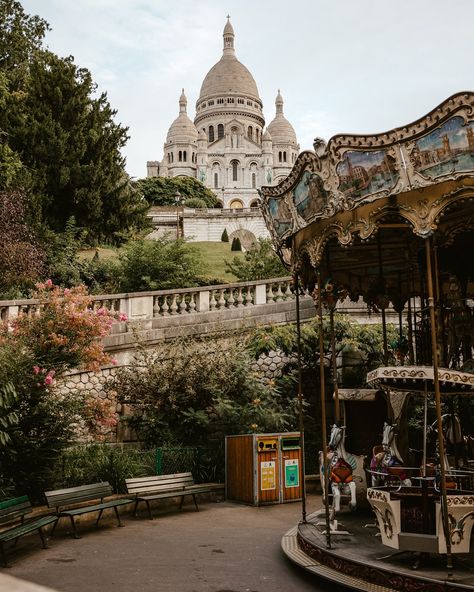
{"x":182,"y":304}
{"x":192,"y":303}
{"x":165,"y":307}
{"x":173,"y":306}
{"x":288,"y":293}
{"x":279,"y":293}
{"x":212,"y":300}
{"x":240,"y":298}
{"x":270,"y":293}
{"x":248,"y":297}
{"x":231,"y":299}
{"x":156,"y":306}
{"x":221,"y":301}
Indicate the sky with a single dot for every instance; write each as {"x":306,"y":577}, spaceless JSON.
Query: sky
{"x":343,"y":66}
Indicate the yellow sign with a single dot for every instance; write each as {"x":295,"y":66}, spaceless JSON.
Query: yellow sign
{"x":267,"y":475}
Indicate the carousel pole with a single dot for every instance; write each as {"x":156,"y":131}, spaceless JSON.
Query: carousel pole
{"x":384,"y":319}
{"x":300,"y":398}
{"x":434,"y":350}
{"x":323,"y":413}
{"x":337,"y":409}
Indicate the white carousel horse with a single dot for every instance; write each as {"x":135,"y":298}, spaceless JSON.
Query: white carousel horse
{"x":388,"y":462}
{"x":341,"y":466}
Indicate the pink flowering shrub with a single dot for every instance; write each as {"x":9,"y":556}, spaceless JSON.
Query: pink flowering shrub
{"x":35,"y":350}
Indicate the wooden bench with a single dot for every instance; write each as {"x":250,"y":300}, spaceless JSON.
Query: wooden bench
{"x":16,"y":509}
{"x":61,"y":499}
{"x":148,"y":489}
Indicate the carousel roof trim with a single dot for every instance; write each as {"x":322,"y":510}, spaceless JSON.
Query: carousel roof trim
{"x":352,"y":171}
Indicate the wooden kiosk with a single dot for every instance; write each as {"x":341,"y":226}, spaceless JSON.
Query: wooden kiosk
{"x":264,"y":468}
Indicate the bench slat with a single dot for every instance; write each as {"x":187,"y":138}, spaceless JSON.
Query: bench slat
{"x":96,"y":507}
{"x":23,"y":529}
{"x":159,"y":483}
{"x":74,"y":495}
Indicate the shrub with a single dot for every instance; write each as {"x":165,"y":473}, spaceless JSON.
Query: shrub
{"x":225,"y":236}
{"x":195,"y":202}
{"x":236,"y":244}
{"x":260,"y":262}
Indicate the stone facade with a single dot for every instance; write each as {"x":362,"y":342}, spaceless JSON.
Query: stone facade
{"x":226,"y":147}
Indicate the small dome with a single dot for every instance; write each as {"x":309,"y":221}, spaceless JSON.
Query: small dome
{"x":182,"y":129}
{"x":228,"y":76}
{"x":281,"y":130}
{"x":267,"y":136}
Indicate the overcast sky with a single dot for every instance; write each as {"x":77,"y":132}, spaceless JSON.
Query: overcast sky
{"x":343,"y":66}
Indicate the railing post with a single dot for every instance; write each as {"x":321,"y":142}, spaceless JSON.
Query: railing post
{"x":260,"y":296}
{"x":202,"y":301}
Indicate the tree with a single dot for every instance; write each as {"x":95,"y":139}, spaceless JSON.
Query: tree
{"x":236,"y":245}
{"x":161,"y":191}
{"x":64,"y":135}
{"x":260,"y":262}
{"x":225,"y":236}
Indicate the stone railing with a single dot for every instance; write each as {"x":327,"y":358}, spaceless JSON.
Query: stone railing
{"x":164,"y":303}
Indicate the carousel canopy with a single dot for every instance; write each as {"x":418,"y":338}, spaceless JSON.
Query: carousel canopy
{"x":359,"y":208}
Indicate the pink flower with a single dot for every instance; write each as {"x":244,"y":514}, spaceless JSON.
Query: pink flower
{"x":48,"y":381}
{"x":66,"y":291}
{"x":101,"y":311}
{"x":36,"y":369}
{"x":114,"y":361}
{"x":122,"y":316}
{"x":49,"y":283}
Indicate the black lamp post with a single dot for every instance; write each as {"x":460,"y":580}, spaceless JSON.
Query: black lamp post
{"x":178,"y":198}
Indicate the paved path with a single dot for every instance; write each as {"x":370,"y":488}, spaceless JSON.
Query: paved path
{"x":223,"y":548}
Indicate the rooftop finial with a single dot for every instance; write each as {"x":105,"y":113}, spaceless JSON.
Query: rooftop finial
{"x":183,"y":101}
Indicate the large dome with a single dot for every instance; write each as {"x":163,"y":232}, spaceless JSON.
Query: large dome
{"x":228,"y":76}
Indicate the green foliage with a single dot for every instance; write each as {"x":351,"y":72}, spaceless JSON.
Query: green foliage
{"x":55,"y":126}
{"x":34,"y":351}
{"x":195,"y":392}
{"x":21,"y":256}
{"x":8,"y":417}
{"x":236,"y":245}
{"x":81,"y":465}
{"x":161,"y":191}
{"x":158,"y":265}
{"x":194,"y":202}
{"x":225,"y":236}
{"x":260,"y":262}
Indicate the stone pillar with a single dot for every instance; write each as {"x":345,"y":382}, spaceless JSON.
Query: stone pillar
{"x":260,"y":294}
{"x":202,"y":301}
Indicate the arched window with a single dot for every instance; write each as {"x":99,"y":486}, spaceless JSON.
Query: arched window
{"x":216,"y":180}
{"x":284,"y":156}
{"x":235,"y":170}
{"x":257,"y":135}
{"x":180,"y":156}
{"x":254,"y":180}
{"x":185,"y":157}
{"x":220,"y":131}
{"x":250,"y":132}
{"x":211,"y":133}
{"x":172,"y":157}
{"x":279,"y":156}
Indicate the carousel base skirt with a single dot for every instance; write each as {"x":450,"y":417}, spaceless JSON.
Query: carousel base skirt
{"x":358,"y":559}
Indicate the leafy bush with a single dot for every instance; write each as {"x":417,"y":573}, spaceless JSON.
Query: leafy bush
{"x":158,"y":265}
{"x":161,"y":191}
{"x":34,"y":351}
{"x":225,"y":236}
{"x":195,"y":392}
{"x":100,"y":462}
{"x":195,"y":202}
{"x":260,"y":262}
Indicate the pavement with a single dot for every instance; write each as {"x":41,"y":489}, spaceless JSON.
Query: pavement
{"x":225,"y":547}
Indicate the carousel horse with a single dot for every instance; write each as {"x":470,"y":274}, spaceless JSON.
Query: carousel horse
{"x":341,"y":465}
{"x":453,"y":439}
{"x":387,"y":461}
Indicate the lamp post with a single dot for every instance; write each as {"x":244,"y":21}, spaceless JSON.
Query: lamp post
{"x":178,"y":198}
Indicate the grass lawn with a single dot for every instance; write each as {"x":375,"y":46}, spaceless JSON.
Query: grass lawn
{"x":214,"y":255}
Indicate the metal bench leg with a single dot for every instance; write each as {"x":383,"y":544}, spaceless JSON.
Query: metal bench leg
{"x":4,"y":556}
{"x":135,"y":508}
{"x":118,"y":516}
{"x":54,"y":527}
{"x":195,"y":502}
{"x":150,"y":515}
{"x":182,"y":502}
{"x":99,"y":517}
{"x":76,"y":536}
{"x":43,"y":538}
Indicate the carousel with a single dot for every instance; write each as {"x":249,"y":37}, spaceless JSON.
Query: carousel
{"x":389,"y":219}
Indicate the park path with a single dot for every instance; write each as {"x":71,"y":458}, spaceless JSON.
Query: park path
{"x":225,"y":547}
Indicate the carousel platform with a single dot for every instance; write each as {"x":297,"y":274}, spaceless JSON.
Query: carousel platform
{"x":358,"y":560}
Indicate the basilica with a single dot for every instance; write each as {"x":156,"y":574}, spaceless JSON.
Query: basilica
{"x":227,"y":146}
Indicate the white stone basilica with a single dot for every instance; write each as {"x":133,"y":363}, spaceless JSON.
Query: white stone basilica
{"x":226,"y":147}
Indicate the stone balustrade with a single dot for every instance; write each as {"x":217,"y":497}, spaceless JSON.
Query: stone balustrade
{"x":142,"y":306}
